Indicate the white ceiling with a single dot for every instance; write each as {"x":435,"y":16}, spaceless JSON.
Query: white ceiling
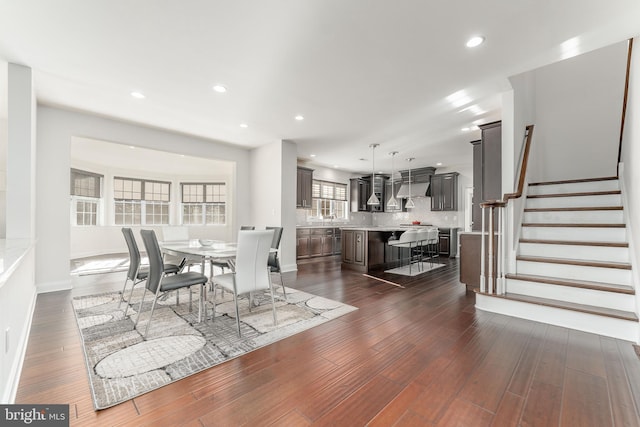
{"x":360,"y":71}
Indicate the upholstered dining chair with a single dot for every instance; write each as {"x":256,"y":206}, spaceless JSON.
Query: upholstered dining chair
{"x":137,"y":273}
{"x":223,"y":264}
{"x":159,"y":284}
{"x":250,"y":270}
{"x":273,"y":261}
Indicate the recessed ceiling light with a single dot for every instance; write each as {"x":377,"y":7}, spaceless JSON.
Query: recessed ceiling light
{"x":465,"y":129}
{"x":244,"y":125}
{"x":299,"y":117}
{"x":312,"y":155}
{"x":138,"y":95}
{"x":132,"y":147}
{"x":439,"y":164}
{"x":475,"y":41}
{"x":336,"y":166}
{"x":220,"y":88}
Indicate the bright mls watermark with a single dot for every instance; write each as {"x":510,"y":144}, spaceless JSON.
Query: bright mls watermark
{"x":34,"y":415}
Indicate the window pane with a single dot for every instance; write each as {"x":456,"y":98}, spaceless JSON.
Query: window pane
{"x":315,"y":189}
{"x":327,"y":190}
{"x":340,"y":192}
{"x":204,"y":203}
{"x":86,"y":184}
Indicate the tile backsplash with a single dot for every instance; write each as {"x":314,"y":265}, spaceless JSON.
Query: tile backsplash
{"x":422,"y":212}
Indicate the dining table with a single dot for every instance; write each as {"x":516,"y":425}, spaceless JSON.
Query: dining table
{"x":213,"y":250}
{"x":193,"y":250}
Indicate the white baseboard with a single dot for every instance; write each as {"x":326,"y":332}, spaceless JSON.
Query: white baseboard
{"x":289,"y":267}
{"x":60,"y":285}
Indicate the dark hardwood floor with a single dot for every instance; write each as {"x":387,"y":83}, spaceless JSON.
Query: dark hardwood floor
{"x":419,"y":355}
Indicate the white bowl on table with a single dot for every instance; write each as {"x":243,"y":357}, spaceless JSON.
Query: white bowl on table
{"x":205,"y":242}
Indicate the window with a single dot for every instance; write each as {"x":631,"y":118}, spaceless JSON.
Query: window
{"x":141,"y":202}
{"x":86,"y":197}
{"x":329,"y":199}
{"x":204,"y":203}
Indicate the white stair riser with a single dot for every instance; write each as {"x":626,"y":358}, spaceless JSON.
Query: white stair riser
{"x":613,"y":300}
{"x":578,"y":234}
{"x":592,"y":253}
{"x":575,"y":272}
{"x":578,"y":187}
{"x":575,"y":201}
{"x":576,"y":217}
{"x":601,"y":325}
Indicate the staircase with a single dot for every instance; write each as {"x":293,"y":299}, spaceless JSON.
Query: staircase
{"x":572,"y":265}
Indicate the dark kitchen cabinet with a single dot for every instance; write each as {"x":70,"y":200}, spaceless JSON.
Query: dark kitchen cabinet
{"x":302,"y":243}
{"x":315,"y":242}
{"x":487,"y":170}
{"x":448,"y":242}
{"x":303,"y":188}
{"x":353,"y":247}
{"x":444,"y":192}
{"x":361,"y":191}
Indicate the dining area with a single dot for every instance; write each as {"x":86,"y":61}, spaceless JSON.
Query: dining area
{"x":177,"y":262}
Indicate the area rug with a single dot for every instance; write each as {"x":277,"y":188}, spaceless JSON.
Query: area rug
{"x":415,"y":270}
{"x":122,"y":365}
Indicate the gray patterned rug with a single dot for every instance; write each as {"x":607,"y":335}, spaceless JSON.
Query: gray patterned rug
{"x":121,"y":365}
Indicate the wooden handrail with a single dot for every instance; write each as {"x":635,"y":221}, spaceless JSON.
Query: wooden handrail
{"x":523,"y":166}
{"x":624,"y":105}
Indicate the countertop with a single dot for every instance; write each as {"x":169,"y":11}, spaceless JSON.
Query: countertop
{"x":320,"y":226}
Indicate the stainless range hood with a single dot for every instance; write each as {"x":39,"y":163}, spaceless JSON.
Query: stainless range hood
{"x":420,"y":179}
{"x":418,"y":189}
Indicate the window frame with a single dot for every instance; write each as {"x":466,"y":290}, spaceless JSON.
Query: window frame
{"x":208,"y":205}
{"x":86,"y":198}
{"x":336,"y":205}
{"x":139,"y":207}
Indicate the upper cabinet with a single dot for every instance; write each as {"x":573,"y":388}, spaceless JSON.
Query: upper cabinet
{"x":361,"y":191}
{"x":487,"y":169}
{"x":444,"y":192}
{"x":303,"y":193}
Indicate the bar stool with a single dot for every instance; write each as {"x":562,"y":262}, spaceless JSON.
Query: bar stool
{"x":408,"y":239}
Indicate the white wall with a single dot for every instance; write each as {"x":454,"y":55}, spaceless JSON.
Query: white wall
{"x":21,"y":170}
{"x":578,"y":103}
{"x":56,"y":128}
{"x":631,"y":164}
{"x":273,"y":193}
{"x":17,"y":283}
{"x":4,"y":141}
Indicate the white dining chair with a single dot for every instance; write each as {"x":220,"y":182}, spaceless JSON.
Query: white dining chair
{"x":250,"y":270}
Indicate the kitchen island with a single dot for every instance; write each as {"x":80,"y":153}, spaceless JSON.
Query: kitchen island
{"x":365,"y":248}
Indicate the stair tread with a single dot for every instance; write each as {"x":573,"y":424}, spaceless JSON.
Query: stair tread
{"x":601,"y":311}
{"x":573,"y":224}
{"x":585,"y":284}
{"x":576,"y":209}
{"x":587,"y":263}
{"x":578,"y":194}
{"x":574,"y":181}
{"x":575,"y":243}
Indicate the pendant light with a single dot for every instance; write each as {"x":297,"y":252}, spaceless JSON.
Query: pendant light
{"x":373,"y":200}
{"x":392,"y":202}
{"x":410,"y":203}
